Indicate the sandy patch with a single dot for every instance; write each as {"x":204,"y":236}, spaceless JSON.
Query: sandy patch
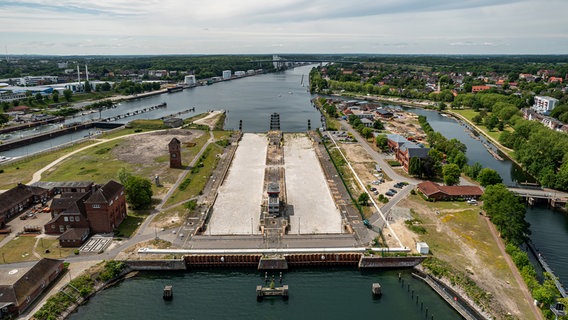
{"x":211,"y":119}
{"x":143,"y":149}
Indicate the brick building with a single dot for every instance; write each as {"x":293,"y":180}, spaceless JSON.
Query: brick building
{"x":20,"y":287}
{"x":76,"y":215}
{"x":434,"y":191}
{"x":405,"y":150}
{"x":106,"y":208}
{"x":18,"y":199}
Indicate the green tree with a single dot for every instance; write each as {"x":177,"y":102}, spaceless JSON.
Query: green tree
{"x":506,"y":212}
{"x":487,"y":177}
{"x":477,"y":119}
{"x":55,"y":96}
{"x":381,"y":141}
{"x":138,"y":192}
{"x":491,"y":122}
{"x":366,"y":132}
{"x":39,"y":97}
{"x":68,"y":94}
{"x":88,"y":88}
{"x":363,"y":199}
{"x":451,"y":173}
{"x":4,"y":118}
{"x":378,"y":125}
{"x":123,"y":175}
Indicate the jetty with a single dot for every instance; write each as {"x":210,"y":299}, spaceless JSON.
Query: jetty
{"x":547,"y":268}
{"x":492,"y":152}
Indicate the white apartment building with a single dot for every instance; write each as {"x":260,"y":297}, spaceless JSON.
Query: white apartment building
{"x":226,"y":74}
{"x":544,"y":104}
{"x":189,"y":80}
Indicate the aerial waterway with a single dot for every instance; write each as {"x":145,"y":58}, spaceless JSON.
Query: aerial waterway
{"x":314,"y":293}
{"x":549,"y":228}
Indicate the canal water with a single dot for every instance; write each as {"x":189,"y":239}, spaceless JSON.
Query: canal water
{"x":230,"y":294}
{"x":549,"y":228}
{"x":250,"y":99}
{"x":253,"y":99}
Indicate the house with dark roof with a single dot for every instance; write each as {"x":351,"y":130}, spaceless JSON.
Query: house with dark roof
{"x":18,"y":199}
{"x":76,"y":215}
{"x":56,"y":187}
{"x":405,"y":150}
{"x":436,"y":192}
{"x":384,"y":113}
{"x":21,"y":286}
{"x":68,"y":212}
{"x":106,"y":208}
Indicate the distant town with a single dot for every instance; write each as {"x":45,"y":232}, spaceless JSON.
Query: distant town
{"x":376,"y":185}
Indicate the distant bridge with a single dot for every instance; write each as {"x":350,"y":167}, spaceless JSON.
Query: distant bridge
{"x":306,"y":60}
{"x":554,"y":197}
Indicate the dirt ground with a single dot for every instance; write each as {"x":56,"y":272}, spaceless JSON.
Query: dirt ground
{"x":405,"y":124}
{"x":464,"y":255}
{"x":210,"y":119}
{"x":143,"y":149}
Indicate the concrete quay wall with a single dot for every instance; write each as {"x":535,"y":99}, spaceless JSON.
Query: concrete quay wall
{"x":155,"y":265}
{"x":368,"y":262}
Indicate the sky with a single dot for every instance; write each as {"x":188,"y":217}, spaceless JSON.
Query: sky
{"x":116,"y":27}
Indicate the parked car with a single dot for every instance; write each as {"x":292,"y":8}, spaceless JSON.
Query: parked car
{"x":373,"y":189}
{"x":392,"y":190}
{"x":389,"y":193}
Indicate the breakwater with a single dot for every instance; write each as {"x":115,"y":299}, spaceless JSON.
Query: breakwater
{"x":55,"y":133}
{"x":31,"y":124}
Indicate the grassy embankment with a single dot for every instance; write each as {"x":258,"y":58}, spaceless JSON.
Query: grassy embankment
{"x":494,"y":134}
{"x":331,"y":122}
{"x":465,"y":252}
{"x":194,"y":182}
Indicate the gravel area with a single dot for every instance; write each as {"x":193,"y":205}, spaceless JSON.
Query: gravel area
{"x":240,"y":195}
{"x":314,"y":210}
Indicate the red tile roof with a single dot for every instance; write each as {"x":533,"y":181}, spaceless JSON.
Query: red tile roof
{"x":429,"y":188}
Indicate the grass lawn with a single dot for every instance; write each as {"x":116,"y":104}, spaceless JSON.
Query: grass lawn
{"x":22,"y":171}
{"x":122,"y":132}
{"x":55,"y":251}
{"x":220,"y":135}
{"x":198,"y":176}
{"x":96,"y":163}
{"x":19,"y":249}
{"x":195,"y":117}
{"x":131,"y":223}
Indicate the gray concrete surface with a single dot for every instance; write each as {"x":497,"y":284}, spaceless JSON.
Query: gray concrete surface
{"x":237,"y":208}
{"x":314,"y":210}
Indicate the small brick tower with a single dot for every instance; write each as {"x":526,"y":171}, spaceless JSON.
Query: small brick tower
{"x":175,"y":153}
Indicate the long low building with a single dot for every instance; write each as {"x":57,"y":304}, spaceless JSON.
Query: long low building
{"x":434,"y":191}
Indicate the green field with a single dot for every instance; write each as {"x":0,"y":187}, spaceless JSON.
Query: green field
{"x":195,"y":181}
{"x":22,"y":171}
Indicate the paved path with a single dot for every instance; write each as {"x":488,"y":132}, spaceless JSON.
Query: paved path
{"x":37,"y":175}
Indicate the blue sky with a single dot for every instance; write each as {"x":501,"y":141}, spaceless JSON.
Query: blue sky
{"x":284,"y":26}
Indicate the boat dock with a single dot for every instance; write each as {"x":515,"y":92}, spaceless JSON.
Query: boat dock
{"x":492,"y":152}
{"x":547,"y":268}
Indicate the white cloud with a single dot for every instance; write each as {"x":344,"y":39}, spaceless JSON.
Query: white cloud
{"x":260,"y":26}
